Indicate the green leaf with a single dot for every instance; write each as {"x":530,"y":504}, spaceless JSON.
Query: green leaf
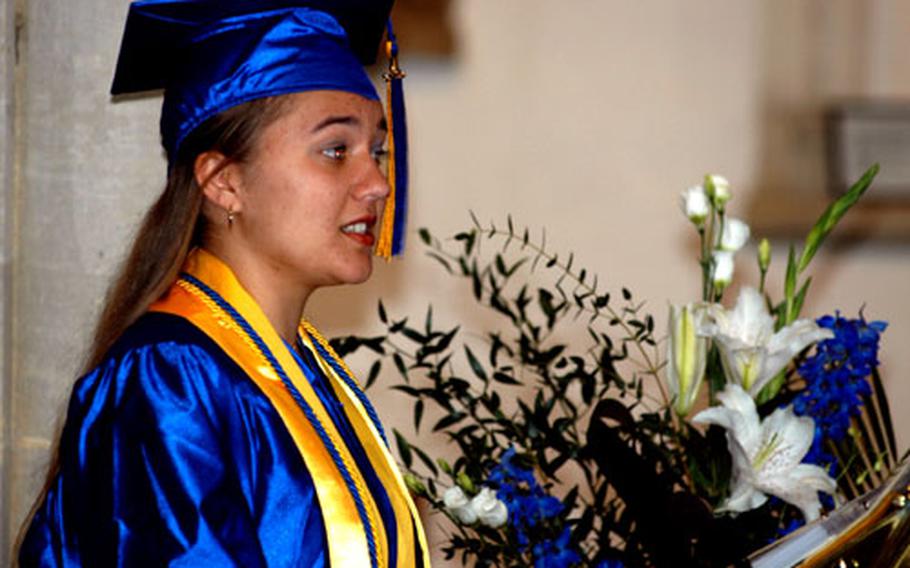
{"x":374,"y":372}
{"x":505,"y":379}
{"x":770,"y":390}
{"x":400,"y":365}
{"x":800,"y":299}
{"x":428,"y":324}
{"x":515,"y":267}
{"x":425,"y":236}
{"x":832,"y":215}
{"x":469,"y":238}
{"x":418,"y":415}
{"x":426,"y":460}
{"x":476,"y":285}
{"x":474,"y":219}
{"x":441,"y":260}
{"x":475,"y":364}
{"x":450,"y":420}
{"x":404,"y":449}
{"x":441,"y":344}
{"x":397,"y":326}
{"x":789,"y":286}
{"x":408,"y":390}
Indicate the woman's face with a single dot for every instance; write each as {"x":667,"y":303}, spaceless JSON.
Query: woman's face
{"x":313,"y":188}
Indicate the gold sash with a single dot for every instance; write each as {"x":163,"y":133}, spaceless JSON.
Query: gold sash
{"x":339,"y":484}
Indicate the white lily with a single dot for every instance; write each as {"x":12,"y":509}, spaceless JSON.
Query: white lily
{"x":767,"y":455}
{"x":695,"y":204}
{"x":735,"y":234}
{"x":751,"y":352}
{"x":686,"y":355}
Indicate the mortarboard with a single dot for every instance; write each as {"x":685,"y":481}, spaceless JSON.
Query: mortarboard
{"x":211,"y":55}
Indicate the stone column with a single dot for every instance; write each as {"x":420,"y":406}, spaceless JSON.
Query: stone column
{"x":89,"y":167}
{"x":7,"y":207}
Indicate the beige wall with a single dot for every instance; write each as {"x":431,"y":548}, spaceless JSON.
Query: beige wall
{"x":588,"y":120}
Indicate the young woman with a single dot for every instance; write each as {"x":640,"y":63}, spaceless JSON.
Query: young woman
{"x":214,"y":426}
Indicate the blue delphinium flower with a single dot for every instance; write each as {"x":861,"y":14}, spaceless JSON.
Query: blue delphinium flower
{"x":792,"y":525}
{"x":836,"y":377}
{"x":555,"y":553}
{"x":530,"y":507}
{"x":835,"y":386}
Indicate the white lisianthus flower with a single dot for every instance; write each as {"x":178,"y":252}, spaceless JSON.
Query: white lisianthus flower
{"x":718,"y":189}
{"x":767,"y":455}
{"x":695,"y":204}
{"x":457,"y":503}
{"x":686,"y":355}
{"x":735,"y":234}
{"x":751,"y":352}
{"x":722,"y":268}
{"x":490,"y":510}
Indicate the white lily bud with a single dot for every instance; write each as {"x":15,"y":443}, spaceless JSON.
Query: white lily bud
{"x":735,"y":235}
{"x":718,"y":189}
{"x":722,"y":275}
{"x":457,"y":503}
{"x":695,"y":204}
{"x":686,"y":355}
{"x":490,"y":510}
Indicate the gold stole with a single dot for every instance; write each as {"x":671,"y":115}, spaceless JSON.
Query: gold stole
{"x":347,"y":534}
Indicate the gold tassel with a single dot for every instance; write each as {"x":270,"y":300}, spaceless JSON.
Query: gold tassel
{"x":387,"y":228}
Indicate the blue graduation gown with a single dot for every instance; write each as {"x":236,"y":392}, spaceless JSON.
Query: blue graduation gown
{"x":171,"y":456}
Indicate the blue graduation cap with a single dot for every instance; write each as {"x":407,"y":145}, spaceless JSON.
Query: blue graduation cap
{"x":211,"y":55}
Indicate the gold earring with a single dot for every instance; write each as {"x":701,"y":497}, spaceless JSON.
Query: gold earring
{"x":230,"y":217}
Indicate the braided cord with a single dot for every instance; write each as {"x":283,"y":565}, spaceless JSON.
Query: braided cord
{"x":324,"y":436}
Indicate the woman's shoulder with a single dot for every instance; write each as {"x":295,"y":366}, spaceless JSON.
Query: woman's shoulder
{"x":162,"y":356}
{"x":157,"y":330}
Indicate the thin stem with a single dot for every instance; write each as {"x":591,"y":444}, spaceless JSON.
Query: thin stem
{"x":705,"y":262}
{"x":650,"y":366}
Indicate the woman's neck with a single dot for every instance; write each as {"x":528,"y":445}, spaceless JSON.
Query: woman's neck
{"x":281,"y":297}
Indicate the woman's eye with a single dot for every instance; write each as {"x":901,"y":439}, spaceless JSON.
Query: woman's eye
{"x":380,"y":154}
{"x":335,"y":152}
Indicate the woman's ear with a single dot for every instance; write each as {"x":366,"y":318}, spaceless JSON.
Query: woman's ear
{"x":216,"y":176}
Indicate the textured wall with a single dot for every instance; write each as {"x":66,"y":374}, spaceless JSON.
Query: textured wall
{"x":587,"y":119}
{"x":6,"y":181}
{"x":89,"y":168}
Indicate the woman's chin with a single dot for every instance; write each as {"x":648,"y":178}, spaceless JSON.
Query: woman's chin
{"x":359,"y":272}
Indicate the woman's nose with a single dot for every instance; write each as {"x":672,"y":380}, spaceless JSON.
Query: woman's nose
{"x":373,"y":184}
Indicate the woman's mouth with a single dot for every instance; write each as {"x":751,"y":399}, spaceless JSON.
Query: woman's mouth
{"x":361,"y":231}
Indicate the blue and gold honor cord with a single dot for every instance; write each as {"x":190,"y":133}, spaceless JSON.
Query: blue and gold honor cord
{"x":209,"y":296}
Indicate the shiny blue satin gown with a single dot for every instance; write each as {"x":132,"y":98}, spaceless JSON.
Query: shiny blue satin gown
{"x":172,"y":456}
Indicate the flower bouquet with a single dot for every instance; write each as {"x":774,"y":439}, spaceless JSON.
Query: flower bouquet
{"x":580,"y":435}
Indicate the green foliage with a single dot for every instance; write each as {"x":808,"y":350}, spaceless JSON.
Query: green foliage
{"x":526,"y":386}
{"x":566,"y":381}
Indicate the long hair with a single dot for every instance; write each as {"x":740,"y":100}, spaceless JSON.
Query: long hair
{"x":174,"y":225}
{"x":171,"y":227}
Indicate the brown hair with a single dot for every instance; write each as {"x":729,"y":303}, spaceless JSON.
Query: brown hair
{"x":170,"y":228}
{"x":174,"y":225}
